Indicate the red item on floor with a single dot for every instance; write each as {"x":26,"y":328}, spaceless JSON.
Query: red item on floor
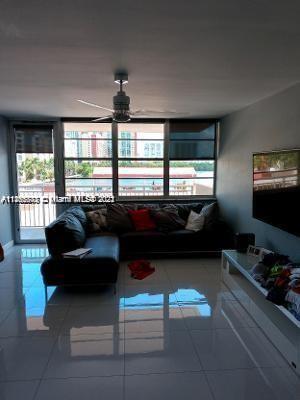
{"x":140,"y":269}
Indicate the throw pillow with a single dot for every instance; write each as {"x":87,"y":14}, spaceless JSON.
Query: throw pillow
{"x":167,"y":219}
{"x":96,"y":220}
{"x":195,"y":222}
{"x":185,"y":209}
{"x":211,"y":214}
{"x":142,"y":220}
{"x":118,"y":219}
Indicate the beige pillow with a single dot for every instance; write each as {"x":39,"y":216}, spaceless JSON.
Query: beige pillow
{"x":96,"y":220}
{"x":195,"y":222}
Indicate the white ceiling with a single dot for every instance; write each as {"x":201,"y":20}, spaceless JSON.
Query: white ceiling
{"x":205,"y":58}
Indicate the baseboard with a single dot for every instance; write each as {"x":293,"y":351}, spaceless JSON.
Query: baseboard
{"x":7,"y":246}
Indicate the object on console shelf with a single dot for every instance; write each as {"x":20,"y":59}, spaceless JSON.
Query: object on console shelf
{"x":243,"y":240}
{"x":259,"y":272}
{"x":271,"y":259}
{"x":293,"y":298}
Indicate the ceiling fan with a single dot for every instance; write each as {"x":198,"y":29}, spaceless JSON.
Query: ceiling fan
{"x":121,"y":105}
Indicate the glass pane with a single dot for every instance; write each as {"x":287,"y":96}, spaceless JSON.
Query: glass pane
{"x":87,"y":130}
{"x":141,"y":149}
{"x":141,"y":187}
{"x":192,"y":168}
{"x":141,"y":131}
{"x":141,"y":169}
{"x":35,"y":174}
{"x":189,"y":187}
{"x":88,"y":169}
{"x":191,"y":149}
{"x":86,"y":187}
{"x":191,"y":131}
{"x":88,"y":148}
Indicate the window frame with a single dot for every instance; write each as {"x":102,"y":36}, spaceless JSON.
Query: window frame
{"x":165,"y":159}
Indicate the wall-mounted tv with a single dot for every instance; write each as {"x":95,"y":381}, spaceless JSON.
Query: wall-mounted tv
{"x":276,"y":189}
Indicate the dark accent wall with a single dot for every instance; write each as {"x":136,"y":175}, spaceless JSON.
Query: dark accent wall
{"x":271,"y":124}
{"x":5,"y":211}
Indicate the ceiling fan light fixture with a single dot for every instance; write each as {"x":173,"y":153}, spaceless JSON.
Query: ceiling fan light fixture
{"x":121,"y":116}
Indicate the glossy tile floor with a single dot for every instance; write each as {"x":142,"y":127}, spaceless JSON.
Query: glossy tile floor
{"x":177,"y":334}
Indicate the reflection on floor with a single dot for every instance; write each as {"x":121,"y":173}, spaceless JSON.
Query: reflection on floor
{"x":177,"y":334}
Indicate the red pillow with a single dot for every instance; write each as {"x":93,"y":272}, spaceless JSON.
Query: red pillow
{"x":142,"y":220}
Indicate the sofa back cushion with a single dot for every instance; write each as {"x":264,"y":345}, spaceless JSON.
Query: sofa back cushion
{"x":79,"y":213}
{"x":118,"y":219}
{"x":66,"y":233}
{"x":167,"y":218}
{"x":185,"y":209}
{"x":211,"y":215}
{"x":96,"y":220}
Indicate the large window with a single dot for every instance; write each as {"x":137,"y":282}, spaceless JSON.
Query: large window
{"x":141,"y":160}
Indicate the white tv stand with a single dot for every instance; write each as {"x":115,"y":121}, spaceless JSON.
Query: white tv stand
{"x":279,"y":325}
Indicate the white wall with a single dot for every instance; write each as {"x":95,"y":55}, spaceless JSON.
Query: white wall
{"x":271,"y":124}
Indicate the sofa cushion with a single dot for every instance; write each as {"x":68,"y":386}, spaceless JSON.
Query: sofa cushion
{"x":99,"y":266}
{"x":78,"y":212}
{"x":118,"y":219}
{"x":142,"y":220}
{"x":167,"y":219}
{"x":66,"y":233}
{"x":139,"y":242}
{"x":184,"y":240}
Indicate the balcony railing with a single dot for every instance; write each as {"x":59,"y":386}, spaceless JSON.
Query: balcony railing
{"x":40,"y":215}
{"x":36,"y":215}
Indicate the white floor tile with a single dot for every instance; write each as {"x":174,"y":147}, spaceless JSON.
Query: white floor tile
{"x":24,"y":358}
{"x":33,"y":321}
{"x":154,"y":319}
{"x":148,"y":295}
{"x":156,"y":352}
{"x":10,"y":298}
{"x":84,"y":296}
{"x":221,"y":349}
{"x":249,"y":384}
{"x":159,"y":277}
{"x":94,"y":319}
{"x":187,"y":385}
{"x":222,"y":314}
{"x":87,"y":355}
{"x":81,"y":388}
{"x":18,"y":390}
{"x":177,"y":334}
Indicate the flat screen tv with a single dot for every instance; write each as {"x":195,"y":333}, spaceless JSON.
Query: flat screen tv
{"x":276,"y":189}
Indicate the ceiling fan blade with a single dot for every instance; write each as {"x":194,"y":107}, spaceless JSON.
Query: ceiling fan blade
{"x":101,"y":118}
{"x":156,"y":113}
{"x":94,"y":105}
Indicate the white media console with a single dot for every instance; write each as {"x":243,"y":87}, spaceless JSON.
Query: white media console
{"x":279,"y":325}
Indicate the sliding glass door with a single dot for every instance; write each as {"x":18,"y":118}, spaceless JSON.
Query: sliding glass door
{"x":34,"y":181}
